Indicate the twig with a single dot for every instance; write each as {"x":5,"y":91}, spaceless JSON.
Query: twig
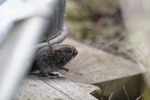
{"x":110,"y":97}
{"x":126,"y":92}
{"x":135,"y":60}
{"x":113,"y":41}
{"x":46,"y":38}
{"x":140,"y":97}
{"x":129,"y":55}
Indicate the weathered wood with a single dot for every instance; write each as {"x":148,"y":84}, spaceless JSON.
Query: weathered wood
{"x":41,"y":88}
{"x":91,"y":66}
{"x":109,"y":72}
{"x":91,"y":89}
{"x":94,"y":66}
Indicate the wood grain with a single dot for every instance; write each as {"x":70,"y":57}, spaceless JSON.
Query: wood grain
{"x":109,"y":72}
{"x":95,"y":66}
{"x":41,"y":88}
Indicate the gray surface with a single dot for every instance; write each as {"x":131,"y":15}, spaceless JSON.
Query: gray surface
{"x":56,"y":21}
{"x":2,"y":1}
{"x":94,"y":66}
{"x":107,"y":71}
{"x":42,"y":88}
{"x":23,"y":36}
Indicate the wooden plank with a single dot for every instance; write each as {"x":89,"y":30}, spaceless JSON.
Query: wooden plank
{"x":91,"y":66}
{"x":41,"y":88}
{"x":94,"y":66}
{"x":92,"y":89}
{"x":111,"y":73}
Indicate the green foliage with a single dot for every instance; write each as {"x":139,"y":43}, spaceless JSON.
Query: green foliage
{"x":75,"y":12}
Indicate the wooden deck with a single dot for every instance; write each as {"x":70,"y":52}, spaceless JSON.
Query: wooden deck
{"x":40,"y":88}
{"x":95,"y":66}
{"x":91,"y":66}
{"x":111,"y":73}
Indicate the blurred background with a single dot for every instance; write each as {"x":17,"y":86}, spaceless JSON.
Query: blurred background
{"x":118,"y":27}
{"x":98,"y":23}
